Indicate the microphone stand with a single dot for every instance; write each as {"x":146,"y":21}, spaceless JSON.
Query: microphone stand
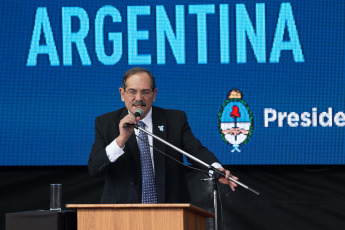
{"x":214,"y":180}
{"x":215,"y":175}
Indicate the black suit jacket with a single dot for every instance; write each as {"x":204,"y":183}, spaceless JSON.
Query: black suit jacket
{"x":123,"y":177}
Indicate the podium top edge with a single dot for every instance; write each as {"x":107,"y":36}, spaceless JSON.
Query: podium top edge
{"x":182,"y":205}
{"x":142,"y":206}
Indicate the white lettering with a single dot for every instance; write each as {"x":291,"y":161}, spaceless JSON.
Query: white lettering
{"x":270,"y":115}
{"x":339,"y":119}
{"x":281,"y":117}
{"x":293,"y":119}
{"x":305,"y":119}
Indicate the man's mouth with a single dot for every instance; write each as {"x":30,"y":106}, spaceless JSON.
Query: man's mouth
{"x":139,"y":104}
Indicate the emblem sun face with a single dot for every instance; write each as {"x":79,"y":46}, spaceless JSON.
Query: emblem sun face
{"x":235,"y":121}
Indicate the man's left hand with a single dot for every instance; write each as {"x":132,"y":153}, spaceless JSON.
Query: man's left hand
{"x":226,"y":180}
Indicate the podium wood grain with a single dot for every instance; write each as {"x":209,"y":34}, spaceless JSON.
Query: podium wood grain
{"x":140,"y":216}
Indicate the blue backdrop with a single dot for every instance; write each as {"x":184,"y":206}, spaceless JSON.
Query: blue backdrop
{"x":62,"y":63}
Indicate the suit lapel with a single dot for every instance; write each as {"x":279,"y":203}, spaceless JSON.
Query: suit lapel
{"x":159,"y":129}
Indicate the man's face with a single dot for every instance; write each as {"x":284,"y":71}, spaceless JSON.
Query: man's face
{"x":138,"y":93}
{"x":234,"y":94}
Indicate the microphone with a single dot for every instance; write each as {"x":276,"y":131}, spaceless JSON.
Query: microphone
{"x":137,"y":113}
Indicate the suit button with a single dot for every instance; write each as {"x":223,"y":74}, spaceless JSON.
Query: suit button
{"x":131,"y":183}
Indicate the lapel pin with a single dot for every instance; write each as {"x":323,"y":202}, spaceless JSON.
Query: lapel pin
{"x":161,"y":128}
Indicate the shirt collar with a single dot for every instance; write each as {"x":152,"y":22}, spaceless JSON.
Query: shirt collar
{"x":148,"y":119}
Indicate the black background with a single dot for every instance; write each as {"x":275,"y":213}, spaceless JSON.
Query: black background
{"x":292,"y":197}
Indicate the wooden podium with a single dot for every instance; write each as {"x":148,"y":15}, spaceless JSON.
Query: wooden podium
{"x":140,"y":216}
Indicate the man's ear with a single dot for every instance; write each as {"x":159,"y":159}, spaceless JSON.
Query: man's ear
{"x":154,"y":94}
{"x":122,"y":92}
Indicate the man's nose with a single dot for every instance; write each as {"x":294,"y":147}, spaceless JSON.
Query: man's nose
{"x":138,"y":96}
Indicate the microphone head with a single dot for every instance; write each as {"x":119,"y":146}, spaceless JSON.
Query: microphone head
{"x":139,"y":113}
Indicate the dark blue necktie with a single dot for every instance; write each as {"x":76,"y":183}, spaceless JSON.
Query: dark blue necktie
{"x":149,"y":194}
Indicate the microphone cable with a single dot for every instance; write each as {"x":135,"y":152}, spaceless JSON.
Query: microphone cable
{"x":181,"y":163}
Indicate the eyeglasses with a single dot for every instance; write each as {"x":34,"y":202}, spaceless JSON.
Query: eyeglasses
{"x":144,"y":93}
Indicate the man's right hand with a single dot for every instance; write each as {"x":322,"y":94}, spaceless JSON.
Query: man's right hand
{"x":126,"y":132}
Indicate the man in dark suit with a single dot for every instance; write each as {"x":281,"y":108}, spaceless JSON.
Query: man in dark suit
{"x":115,"y":152}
